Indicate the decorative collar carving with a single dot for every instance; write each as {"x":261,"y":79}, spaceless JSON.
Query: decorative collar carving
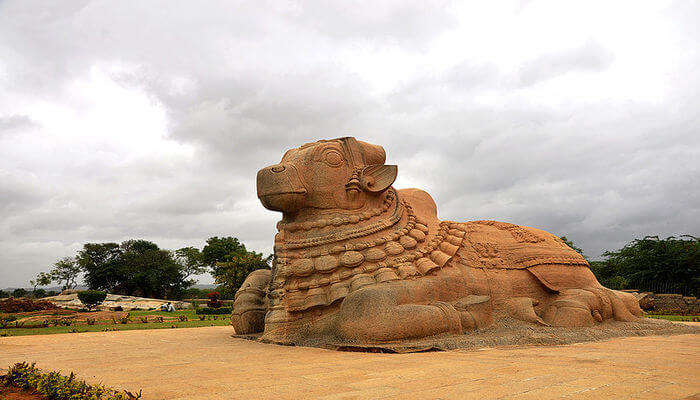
{"x":319,"y":272}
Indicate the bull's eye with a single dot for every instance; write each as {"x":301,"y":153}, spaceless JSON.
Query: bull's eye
{"x":333,"y":158}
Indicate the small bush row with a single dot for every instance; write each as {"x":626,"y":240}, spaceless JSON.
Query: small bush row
{"x":13,"y":305}
{"x":213,"y":311}
{"x":6,"y":319}
{"x":54,"y":386}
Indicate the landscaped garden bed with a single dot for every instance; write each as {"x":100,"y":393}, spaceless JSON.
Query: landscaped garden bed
{"x":26,"y":382}
{"x":72,"y":321}
{"x":670,"y":317}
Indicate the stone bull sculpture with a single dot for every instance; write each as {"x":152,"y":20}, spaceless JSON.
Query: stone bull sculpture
{"x":357,"y":261}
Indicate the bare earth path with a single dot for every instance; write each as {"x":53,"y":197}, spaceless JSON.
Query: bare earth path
{"x":206,"y":363}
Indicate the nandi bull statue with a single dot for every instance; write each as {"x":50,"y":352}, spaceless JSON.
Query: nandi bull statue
{"x":358,"y":262}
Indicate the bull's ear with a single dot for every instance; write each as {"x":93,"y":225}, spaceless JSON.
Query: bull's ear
{"x":377,"y":178}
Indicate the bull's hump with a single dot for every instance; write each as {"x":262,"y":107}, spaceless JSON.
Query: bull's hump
{"x":421,"y":201}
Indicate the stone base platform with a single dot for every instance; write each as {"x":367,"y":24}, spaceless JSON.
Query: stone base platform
{"x":207,"y":363}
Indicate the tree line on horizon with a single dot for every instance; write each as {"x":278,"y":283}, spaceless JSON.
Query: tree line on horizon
{"x":650,"y":264}
{"x":140,"y":268}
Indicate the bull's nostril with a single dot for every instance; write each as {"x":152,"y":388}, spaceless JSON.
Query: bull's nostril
{"x":278,"y":168}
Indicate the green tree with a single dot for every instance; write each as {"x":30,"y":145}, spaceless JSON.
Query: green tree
{"x":230,"y":274}
{"x":42,"y":279}
{"x":19,"y":292}
{"x":151,"y":271}
{"x":65,"y":272}
{"x":191,"y":261}
{"x":670,"y":265}
{"x":134,"y":267}
{"x":195,"y":293}
{"x":231,"y":263}
{"x":101,"y":264}
{"x":220,"y":249}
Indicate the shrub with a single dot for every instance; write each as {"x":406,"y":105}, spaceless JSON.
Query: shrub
{"x":159,"y":319}
{"x":6,"y":319}
{"x":54,"y":386}
{"x":213,"y":311}
{"x":214,"y":301}
{"x":92,"y":298}
{"x":90,"y":321}
{"x":144,"y":320}
{"x":13,"y":305}
{"x":183,"y":318}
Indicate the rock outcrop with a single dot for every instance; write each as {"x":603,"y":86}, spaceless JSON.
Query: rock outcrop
{"x":114,"y":300}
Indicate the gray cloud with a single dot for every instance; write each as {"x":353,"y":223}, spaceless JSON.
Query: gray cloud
{"x":591,"y":56}
{"x":150,"y":119}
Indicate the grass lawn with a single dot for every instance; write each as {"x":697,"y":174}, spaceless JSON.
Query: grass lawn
{"x":193,"y":321}
{"x":674,"y":317}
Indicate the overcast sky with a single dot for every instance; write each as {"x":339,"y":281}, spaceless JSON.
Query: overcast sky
{"x":149,"y":119}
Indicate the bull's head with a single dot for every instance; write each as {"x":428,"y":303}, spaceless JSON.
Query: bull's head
{"x":329,"y":174}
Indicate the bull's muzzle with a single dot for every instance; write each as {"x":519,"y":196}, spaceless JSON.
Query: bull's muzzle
{"x":280,"y":189}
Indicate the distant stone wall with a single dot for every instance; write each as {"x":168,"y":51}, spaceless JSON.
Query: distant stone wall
{"x":669,"y":304}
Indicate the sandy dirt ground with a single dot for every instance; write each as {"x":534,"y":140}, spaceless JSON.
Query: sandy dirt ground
{"x":207,"y":363}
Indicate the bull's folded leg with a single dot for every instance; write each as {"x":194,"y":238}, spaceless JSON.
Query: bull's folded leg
{"x":375,"y":315}
{"x":585,"y":307}
{"x":403,"y":321}
{"x":250,"y":304}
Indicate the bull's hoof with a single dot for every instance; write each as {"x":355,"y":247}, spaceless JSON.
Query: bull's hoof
{"x":522,"y":308}
{"x":474,"y":312}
